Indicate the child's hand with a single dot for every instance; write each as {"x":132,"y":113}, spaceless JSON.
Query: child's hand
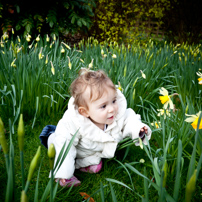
{"x":143,"y":131}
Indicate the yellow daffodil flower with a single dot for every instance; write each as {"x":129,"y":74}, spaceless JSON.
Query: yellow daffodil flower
{"x":119,"y":86}
{"x":28,"y":37}
{"x":46,"y":62}
{"x":114,"y":56}
{"x":40,"y":54}
{"x":54,"y":37}
{"x":62,"y":50}
{"x":38,"y":38}
{"x":199,"y":79}
{"x":13,"y":31}
{"x":81,"y":60}
{"x":102,"y":52}
{"x":165,"y":99}
{"x":47,"y":38}
{"x":91,"y":64}
{"x":69,"y":64}
{"x":194,"y":119}
{"x":13,"y":63}
{"x":142,"y":160}
{"x":18,"y":39}
{"x":52,"y":69}
{"x":66,"y":45}
{"x":163,"y":112}
{"x":5,"y":36}
{"x":157,"y":124}
{"x":143,"y":75}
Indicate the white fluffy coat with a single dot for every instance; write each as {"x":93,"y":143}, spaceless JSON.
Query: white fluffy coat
{"x":91,"y":143}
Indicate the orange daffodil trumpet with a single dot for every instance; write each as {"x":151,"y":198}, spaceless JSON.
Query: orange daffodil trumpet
{"x":194,"y":119}
{"x":200,"y":77}
{"x":166,"y":99}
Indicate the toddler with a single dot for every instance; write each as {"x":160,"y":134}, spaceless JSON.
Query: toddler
{"x":99,"y":111}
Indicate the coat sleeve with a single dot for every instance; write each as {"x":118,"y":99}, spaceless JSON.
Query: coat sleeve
{"x":61,"y":136}
{"x":132,"y":126}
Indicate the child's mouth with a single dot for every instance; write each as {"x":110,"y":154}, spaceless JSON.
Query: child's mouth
{"x":111,"y":117}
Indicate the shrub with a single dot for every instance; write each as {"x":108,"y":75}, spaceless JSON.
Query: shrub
{"x":117,"y":20}
{"x":63,"y":16}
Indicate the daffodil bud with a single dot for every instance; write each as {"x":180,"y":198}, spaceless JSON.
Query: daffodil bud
{"x":3,"y":141}
{"x":23,"y":196}
{"x":21,"y":133}
{"x":51,"y":155}
{"x":190,"y":187}
{"x":33,"y":164}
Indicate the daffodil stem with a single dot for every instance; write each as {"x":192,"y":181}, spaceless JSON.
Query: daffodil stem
{"x":51,"y":191}
{"x":22,"y":169}
{"x":27,"y":186}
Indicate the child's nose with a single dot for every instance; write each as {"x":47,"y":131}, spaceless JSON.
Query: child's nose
{"x":111,"y":108}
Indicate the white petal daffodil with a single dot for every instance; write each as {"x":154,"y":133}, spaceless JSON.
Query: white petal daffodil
{"x":200,"y":77}
{"x":164,"y":112}
{"x":143,"y":74}
{"x":165,"y":98}
{"x":194,"y":118}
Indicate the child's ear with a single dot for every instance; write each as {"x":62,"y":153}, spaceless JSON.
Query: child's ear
{"x":83,"y":111}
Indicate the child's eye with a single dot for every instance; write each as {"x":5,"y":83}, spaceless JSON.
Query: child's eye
{"x":103,"y":106}
{"x":114,"y":101}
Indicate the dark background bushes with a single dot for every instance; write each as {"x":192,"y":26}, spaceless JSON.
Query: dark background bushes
{"x":114,"y":20}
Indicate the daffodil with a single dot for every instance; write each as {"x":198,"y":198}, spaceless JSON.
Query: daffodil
{"x":54,"y":37}
{"x":114,"y":56}
{"x":81,"y":60}
{"x":47,"y":38}
{"x":40,"y":54}
{"x":38,"y":38}
{"x":46,"y":62}
{"x":199,"y":79}
{"x":157,"y":124}
{"x":119,"y":86}
{"x":69,"y":64}
{"x":66,"y":46}
{"x":165,"y":98}
{"x":52,"y":69}
{"x":13,"y":63}
{"x":102,"y":52}
{"x":62,"y":50}
{"x":194,"y":119}
{"x":143,"y":75}
{"x":163,"y":112}
{"x":18,"y":39}
{"x":91,"y":64}
{"x":142,"y":160}
{"x":28,"y":37}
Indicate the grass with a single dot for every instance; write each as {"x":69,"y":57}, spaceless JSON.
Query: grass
{"x":40,"y":91}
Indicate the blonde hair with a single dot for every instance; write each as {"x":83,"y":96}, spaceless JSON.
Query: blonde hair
{"x":96,"y":81}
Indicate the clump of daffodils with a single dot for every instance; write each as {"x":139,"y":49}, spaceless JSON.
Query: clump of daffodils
{"x":165,"y":98}
{"x":194,"y":118}
{"x":200,"y":77}
{"x":163,"y":112}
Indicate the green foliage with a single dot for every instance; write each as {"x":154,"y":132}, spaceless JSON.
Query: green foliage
{"x":56,"y":17}
{"x":118,"y":20}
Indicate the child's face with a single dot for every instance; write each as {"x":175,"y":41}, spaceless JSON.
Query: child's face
{"x":104,"y":110}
